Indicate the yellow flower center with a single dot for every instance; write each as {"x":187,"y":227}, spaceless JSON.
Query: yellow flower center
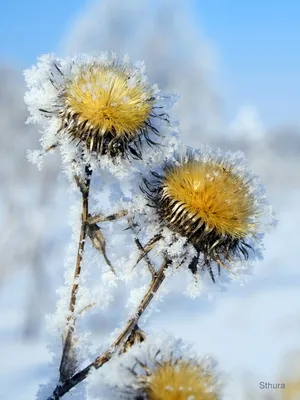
{"x":213,"y":194}
{"x":180,"y":381}
{"x":105,"y":98}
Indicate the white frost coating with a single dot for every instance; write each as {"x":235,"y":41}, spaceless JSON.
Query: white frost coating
{"x":57,"y":320}
{"x":135,"y":298}
{"x":45,"y":390}
{"x":54,"y":343}
{"x":35,"y":157}
{"x":97,"y":283}
{"x":47,"y":81}
{"x":194,"y":288}
{"x":159,"y":297}
{"x":112,"y":382}
{"x":125,"y":265}
{"x":175,"y":249}
{"x":109,"y":279}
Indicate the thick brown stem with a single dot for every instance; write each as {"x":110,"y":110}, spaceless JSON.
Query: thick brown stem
{"x":67,"y":385}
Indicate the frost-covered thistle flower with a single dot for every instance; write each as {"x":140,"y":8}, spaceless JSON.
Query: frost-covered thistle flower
{"x":212,"y":200}
{"x":174,"y":379}
{"x":100,"y":102}
{"x":160,"y":368}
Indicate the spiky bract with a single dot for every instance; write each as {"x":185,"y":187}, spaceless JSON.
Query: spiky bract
{"x":175,"y":379}
{"x":107,"y":106}
{"x":209,"y":201}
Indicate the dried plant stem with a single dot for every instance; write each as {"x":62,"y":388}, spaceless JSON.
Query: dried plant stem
{"x":142,"y":249}
{"x":71,"y":382}
{"x":68,"y":359}
{"x":147,"y":259}
{"x":104,"y":218}
{"x":145,"y":250}
{"x":81,"y":244}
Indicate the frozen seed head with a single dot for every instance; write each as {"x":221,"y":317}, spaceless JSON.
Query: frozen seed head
{"x":175,"y":379}
{"x":210,"y":201}
{"x":161,"y":368}
{"x":209,"y":195}
{"x":101,"y":109}
{"x":104,"y":104}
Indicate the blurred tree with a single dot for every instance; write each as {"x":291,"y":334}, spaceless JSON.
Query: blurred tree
{"x":26,"y":198}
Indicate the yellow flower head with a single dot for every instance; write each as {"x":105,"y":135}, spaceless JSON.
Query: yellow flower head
{"x":180,"y":380}
{"x":210,"y":202}
{"x":210,"y":195}
{"x":102,"y":97}
{"x":106,"y":105}
{"x":162,"y":368}
{"x":176,"y":379}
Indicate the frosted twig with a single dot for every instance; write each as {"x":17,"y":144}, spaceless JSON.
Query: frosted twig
{"x":68,"y":359}
{"x":69,"y":383}
{"x":146,"y":249}
{"x":142,"y":249}
{"x":86,"y":308}
{"x":104,"y":218}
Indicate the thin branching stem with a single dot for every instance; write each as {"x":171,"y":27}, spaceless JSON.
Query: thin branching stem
{"x":68,"y":359}
{"x":142,"y":249}
{"x":147,"y":259}
{"x":84,"y":188}
{"x":131,"y":324}
{"x":145,"y":250}
{"x":95,"y":219}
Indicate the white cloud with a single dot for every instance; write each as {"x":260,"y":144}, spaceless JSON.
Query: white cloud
{"x":247,"y":123}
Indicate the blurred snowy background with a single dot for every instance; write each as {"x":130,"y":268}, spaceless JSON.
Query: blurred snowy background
{"x":236,"y":67}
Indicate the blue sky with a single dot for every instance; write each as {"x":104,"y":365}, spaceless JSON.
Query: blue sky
{"x":257,"y":44}
{"x":34,"y":27}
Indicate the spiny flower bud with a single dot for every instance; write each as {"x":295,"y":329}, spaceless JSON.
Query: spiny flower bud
{"x":101,"y":107}
{"x":160,"y":368}
{"x":100,"y":102}
{"x":176,"y":379}
{"x":212,"y":202}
